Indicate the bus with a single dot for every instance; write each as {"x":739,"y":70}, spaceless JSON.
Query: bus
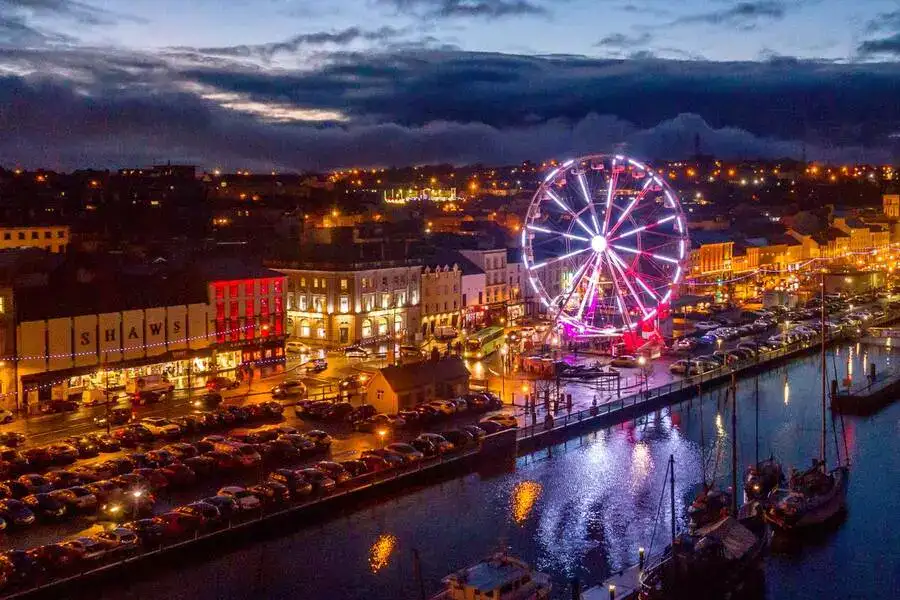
{"x":483,"y":342}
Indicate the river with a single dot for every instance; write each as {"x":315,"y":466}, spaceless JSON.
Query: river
{"x":583,"y":508}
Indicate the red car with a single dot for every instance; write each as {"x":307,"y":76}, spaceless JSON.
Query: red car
{"x":179,"y":524}
{"x":179,"y":475}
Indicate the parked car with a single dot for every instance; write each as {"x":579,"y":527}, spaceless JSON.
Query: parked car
{"x":15,"y":460}
{"x":317,"y":365}
{"x":321,"y":439}
{"x":459,"y":439}
{"x":133,"y":435}
{"x":76,"y":498}
{"x":104,"y":442}
{"x":209,"y":514}
{"x":219,"y":383}
{"x":26,"y":570}
{"x":57,"y":406}
{"x":202,"y":466}
{"x":85,"y":447}
{"x":507,"y":421}
{"x":246,"y":500}
{"x":356,"y":468}
{"x":159,"y":426}
{"x":211,"y":399}
{"x":361,"y":413}
{"x":118,"y":540}
{"x":61,"y":479}
{"x":320,"y":481}
{"x":271,"y":492}
{"x":179,"y":524}
{"x":45,"y":506}
{"x":150,"y":532}
{"x":36,"y":484}
{"x":490,"y":426}
{"x":379,"y":422}
{"x":115,"y":416}
{"x":440,"y":443}
{"x":13,"y":439}
{"x":298,"y":485}
{"x":375,"y":463}
{"x":680,"y":367}
{"x":55,"y":558}
{"x":228,"y":506}
{"x":179,"y":475}
{"x":87,"y":548}
{"x":6,"y":416}
{"x":356,"y":352}
{"x":475,"y":431}
{"x":393,"y":459}
{"x":409,"y":454}
{"x":334,"y":470}
{"x":338,"y":412}
{"x":289,"y":389}
{"x":16,"y":513}
{"x":63,"y":454}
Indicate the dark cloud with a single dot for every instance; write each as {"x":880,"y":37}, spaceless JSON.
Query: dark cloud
{"x":430,"y":106}
{"x":886,"y":46}
{"x":468,"y":8}
{"x":889,"y":21}
{"x":621,"y":41}
{"x":292,"y":45}
{"x":743,"y":15}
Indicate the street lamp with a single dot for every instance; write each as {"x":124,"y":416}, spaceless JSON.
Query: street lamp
{"x":504,"y":350}
{"x":381,"y":434}
{"x":642,"y":363}
{"x":137,"y":496}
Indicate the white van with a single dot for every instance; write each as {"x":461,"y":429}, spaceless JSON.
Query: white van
{"x":149,"y":383}
{"x":445,"y":332}
{"x":295,"y":347}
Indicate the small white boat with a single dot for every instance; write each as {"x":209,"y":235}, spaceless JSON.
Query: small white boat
{"x":499,"y":577}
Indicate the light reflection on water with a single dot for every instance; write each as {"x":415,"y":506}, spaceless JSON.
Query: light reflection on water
{"x":582,"y":509}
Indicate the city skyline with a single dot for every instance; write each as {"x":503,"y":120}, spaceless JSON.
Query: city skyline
{"x":308,"y":85}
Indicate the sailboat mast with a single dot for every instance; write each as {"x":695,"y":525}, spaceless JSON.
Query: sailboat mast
{"x":734,"y":502}
{"x":757,"y":421}
{"x":824,"y":425}
{"x":672,"y":492}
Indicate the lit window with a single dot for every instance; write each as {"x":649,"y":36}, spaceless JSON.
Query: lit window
{"x":343,"y":284}
{"x":303,"y":303}
{"x":345,"y":304}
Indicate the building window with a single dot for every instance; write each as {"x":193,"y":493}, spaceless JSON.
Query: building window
{"x":21,"y":235}
{"x":304,"y":328}
{"x":316,"y":282}
{"x":319,"y":303}
{"x":61,"y":233}
{"x":34,"y":235}
{"x":382,"y":326}
{"x":248,"y":289}
{"x":385,"y":300}
{"x":345,"y":304}
{"x":369,"y":302}
{"x":303,"y":302}
{"x":303,"y":282}
{"x":323,"y":283}
{"x":366,"y":328}
{"x":398,"y":323}
{"x":7,"y":236}
{"x":233,"y":291}
{"x":320,"y":330}
{"x":344,"y":335}
{"x":343,"y":284}
{"x":48,"y":235}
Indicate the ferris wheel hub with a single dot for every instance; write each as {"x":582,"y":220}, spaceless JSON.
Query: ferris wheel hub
{"x":598,"y":244}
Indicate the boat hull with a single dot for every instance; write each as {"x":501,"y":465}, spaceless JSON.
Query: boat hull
{"x":815,"y":513}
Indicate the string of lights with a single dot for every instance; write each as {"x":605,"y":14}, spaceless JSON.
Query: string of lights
{"x":126,"y":349}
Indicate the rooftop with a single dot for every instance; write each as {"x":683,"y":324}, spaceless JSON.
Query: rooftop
{"x":411,"y":376}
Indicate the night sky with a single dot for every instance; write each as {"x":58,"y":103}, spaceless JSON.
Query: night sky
{"x":309,"y":84}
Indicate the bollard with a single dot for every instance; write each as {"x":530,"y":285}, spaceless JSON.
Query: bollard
{"x":612,"y":592}
{"x":641,"y":558}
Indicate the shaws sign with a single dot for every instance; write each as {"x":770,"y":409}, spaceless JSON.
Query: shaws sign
{"x":110,"y":337}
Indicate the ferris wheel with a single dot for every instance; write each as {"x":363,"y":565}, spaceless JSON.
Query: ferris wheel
{"x":605,"y":245}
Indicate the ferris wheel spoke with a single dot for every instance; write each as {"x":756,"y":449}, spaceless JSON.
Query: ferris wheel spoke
{"x":566,"y":235}
{"x":558,"y":201}
{"x":620,"y":266}
{"x":637,"y":200}
{"x":541,"y":265}
{"x":644,"y":227}
{"x":592,"y":285}
{"x":610,"y":193}
{"x":586,"y":195}
{"x":573,"y":285}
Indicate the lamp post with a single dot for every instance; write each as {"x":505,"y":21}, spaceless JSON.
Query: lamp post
{"x":137,"y":497}
{"x":642,"y":363}
{"x":381,"y":434}
{"x":504,"y":350}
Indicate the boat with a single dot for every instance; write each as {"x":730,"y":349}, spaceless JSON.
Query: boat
{"x":710,"y":505}
{"x":499,"y":577}
{"x":714,"y":561}
{"x":764,"y":475}
{"x":818,"y":494}
{"x":813,"y":497}
{"x":719,"y":555}
{"x":761,"y":479}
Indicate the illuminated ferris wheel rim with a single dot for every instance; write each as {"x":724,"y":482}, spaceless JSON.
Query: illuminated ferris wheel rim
{"x":629,"y":242}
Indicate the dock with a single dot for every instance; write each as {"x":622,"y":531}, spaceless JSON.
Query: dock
{"x":866,"y":398}
{"x":623,"y":585}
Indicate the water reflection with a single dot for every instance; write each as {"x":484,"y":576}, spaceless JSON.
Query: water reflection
{"x":380,"y":552}
{"x":525,"y":495}
{"x":787,"y":391}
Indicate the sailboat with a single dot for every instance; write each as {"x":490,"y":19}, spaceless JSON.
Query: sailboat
{"x":711,"y":503}
{"x":818,"y":494}
{"x":714,"y":560}
{"x":762,"y":477}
